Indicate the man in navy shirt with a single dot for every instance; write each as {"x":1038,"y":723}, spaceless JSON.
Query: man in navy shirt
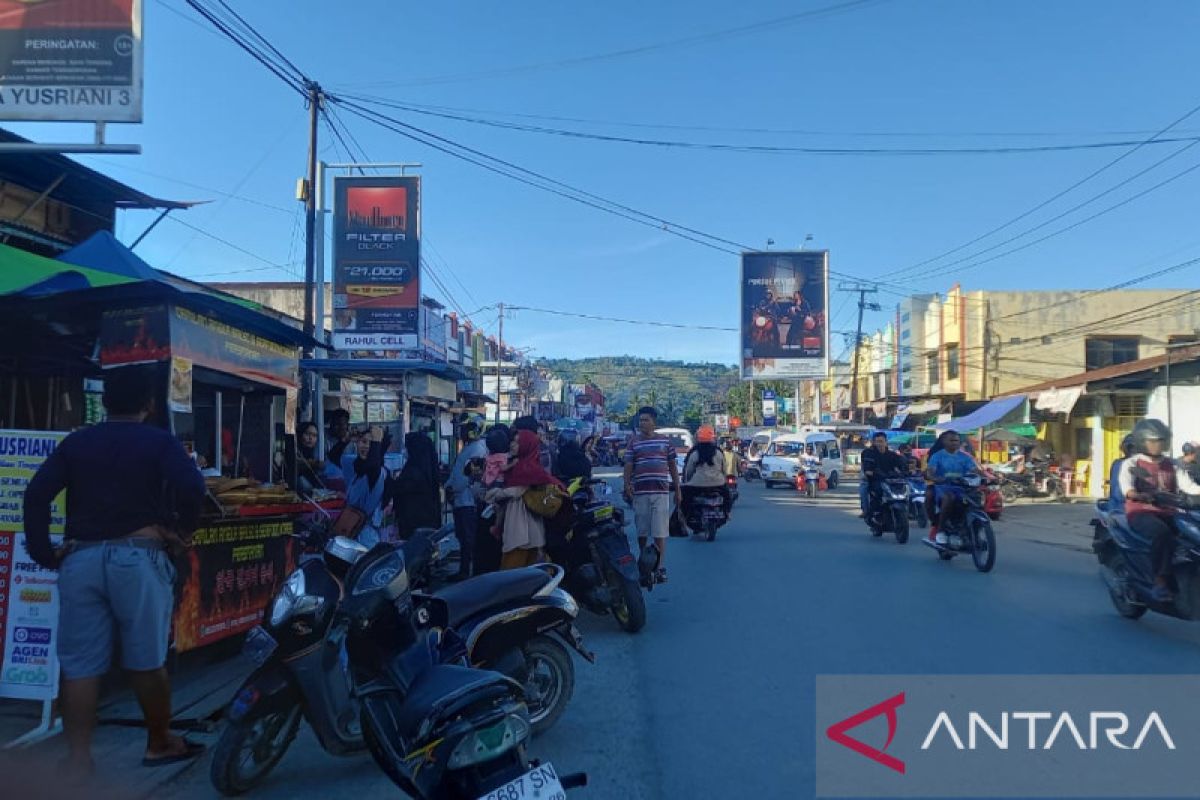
{"x":131,"y":487}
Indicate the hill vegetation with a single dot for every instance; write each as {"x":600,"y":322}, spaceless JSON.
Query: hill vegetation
{"x":680,"y":390}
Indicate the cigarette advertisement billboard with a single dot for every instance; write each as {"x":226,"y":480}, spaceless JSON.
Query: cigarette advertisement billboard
{"x":71,"y":60}
{"x":785,"y":332}
{"x":376,"y":263}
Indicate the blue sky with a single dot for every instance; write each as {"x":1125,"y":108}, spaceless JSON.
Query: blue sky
{"x":1082,"y":71}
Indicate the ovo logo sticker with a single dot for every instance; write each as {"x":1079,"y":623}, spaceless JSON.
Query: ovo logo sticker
{"x":837,"y":732}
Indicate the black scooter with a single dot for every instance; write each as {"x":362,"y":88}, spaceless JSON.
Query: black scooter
{"x":890,"y":508}
{"x":601,"y":571}
{"x":1128,"y":572}
{"x":969,"y":528}
{"x":706,"y":513}
{"x":439,"y":731}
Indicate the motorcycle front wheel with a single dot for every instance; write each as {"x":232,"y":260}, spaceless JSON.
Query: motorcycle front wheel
{"x":983,"y":546}
{"x":921,"y":520}
{"x":629,"y":606}
{"x":1009,"y":492}
{"x":549,"y":682}
{"x":811,"y":488}
{"x":249,"y":749}
{"x":900,"y":526}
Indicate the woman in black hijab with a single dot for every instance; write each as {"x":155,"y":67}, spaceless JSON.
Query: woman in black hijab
{"x":416,"y":497}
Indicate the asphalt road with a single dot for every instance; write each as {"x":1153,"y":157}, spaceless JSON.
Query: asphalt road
{"x":714,"y":699}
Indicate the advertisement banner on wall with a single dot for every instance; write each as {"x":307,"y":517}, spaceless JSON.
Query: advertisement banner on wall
{"x":28,"y":592}
{"x":71,"y":60}
{"x":228,"y":578}
{"x":376,"y":258}
{"x":785,"y":332}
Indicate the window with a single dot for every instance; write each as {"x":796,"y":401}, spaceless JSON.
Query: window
{"x":951,"y":362}
{"x":1083,"y":443}
{"x":1106,"y":352}
{"x":908,"y":383}
{"x":932,"y":373}
{"x":1183,"y":338}
{"x":834,"y":452}
{"x":906,"y":316}
{"x":904,"y":334}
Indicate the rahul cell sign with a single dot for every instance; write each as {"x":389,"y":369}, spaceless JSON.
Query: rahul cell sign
{"x":376,"y":262}
{"x":71,"y":60}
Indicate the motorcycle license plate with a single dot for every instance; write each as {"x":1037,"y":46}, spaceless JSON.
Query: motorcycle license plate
{"x":540,"y":783}
{"x":259,"y":645}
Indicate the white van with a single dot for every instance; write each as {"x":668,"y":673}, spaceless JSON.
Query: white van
{"x":681,"y":440}
{"x":784,"y":458}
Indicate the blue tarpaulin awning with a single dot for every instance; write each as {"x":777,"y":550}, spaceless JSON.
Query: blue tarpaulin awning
{"x":990,"y":414}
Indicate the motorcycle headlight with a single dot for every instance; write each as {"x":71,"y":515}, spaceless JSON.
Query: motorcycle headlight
{"x":292,"y":600}
{"x":489,"y":743}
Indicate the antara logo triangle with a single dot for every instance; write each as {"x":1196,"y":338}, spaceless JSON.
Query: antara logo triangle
{"x":837,"y":732}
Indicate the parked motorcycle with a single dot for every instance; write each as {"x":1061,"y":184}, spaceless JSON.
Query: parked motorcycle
{"x":891,"y":508}
{"x":993,"y":498}
{"x":1036,"y":480}
{"x":1128,"y":572}
{"x":515,"y":622}
{"x":299,"y":674}
{"x":706,"y":513}
{"x":437,"y":730}
{"x":601,"y":571}
{"x":969,"y":529}
{"x":916,"y":501}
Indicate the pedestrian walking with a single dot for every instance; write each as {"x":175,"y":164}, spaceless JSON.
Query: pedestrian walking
{"x":651,"y":478}
{"x":132,"y":491}
{"x":416,"y":500}
{"x":466,"y":510}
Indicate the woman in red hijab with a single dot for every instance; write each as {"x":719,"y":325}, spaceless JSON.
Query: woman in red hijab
{"x":524,"y":533}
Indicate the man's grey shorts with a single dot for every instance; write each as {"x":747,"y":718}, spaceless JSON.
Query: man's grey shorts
{"x":114,"y":592}
{"x":652,"y":515}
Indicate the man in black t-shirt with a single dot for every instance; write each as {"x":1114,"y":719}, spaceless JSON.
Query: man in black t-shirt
{"x":131,"y":489}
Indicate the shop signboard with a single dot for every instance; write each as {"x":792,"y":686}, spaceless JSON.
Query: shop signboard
{"x":785,"y":333}
{"x":722,"y":423}
{"x":376,"y":262}
{"x":228,"y":578}
{"x":159,"y":333}
{"x":71,"y":60}
{"x":179,"y":387}
{"x":28,"y":592}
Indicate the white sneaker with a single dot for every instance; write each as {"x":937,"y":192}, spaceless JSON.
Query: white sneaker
{"x":942,"y":538}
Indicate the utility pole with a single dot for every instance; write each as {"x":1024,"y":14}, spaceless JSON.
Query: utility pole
{"x":307,"y":380}
{"x":863,"y":290}
{"x":499,"y":359}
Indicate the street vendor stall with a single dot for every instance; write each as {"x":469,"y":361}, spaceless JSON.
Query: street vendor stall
{"x":226,"y":368}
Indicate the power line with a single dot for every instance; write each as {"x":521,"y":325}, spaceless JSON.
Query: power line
{"x":295,"y":80}
{"x":639,"y":50}
{"x":1085,"y":179}
{"x":598,"y":318}
{"x":763,"y":149}
{"x":759,"y":130}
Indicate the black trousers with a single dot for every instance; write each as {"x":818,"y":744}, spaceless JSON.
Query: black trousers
{"x":466,"y":525}
{"x":1161,"y":534}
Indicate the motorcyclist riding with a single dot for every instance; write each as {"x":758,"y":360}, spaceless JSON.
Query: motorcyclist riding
{"x":1116,"y":497}
{"x":1188,"y":469}
{"x":948,"y":462}
{"x":1144,"y":475}
{"x":879,"y":462}
{"x":704,"y":469}
{"x":912,"y":463}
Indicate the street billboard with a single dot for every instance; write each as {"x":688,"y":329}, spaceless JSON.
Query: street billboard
{"x":71,"y":60}
{"x":376,"y":263}
{"x":785,"y":331}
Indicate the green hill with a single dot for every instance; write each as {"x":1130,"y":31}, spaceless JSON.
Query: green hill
{"x":680,"y":390}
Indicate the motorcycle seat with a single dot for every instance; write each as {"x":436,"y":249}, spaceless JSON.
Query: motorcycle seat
{"x":444,"y":690}
{"x":493,"y":590}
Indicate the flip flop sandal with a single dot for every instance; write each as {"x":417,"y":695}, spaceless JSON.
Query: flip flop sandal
{"x":190,"y":750}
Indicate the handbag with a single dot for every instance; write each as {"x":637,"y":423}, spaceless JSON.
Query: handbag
{"x":350,"y":522}
{"x":544,"y":501}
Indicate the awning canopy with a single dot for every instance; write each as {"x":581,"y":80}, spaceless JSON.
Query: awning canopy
{"x":380,"y":370}
{"x":989,"y":414}
{"x":32,"y":275}
{"x":1058,"y":401}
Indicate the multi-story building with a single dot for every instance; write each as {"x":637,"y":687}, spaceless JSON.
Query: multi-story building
{"x":974,"y":345}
